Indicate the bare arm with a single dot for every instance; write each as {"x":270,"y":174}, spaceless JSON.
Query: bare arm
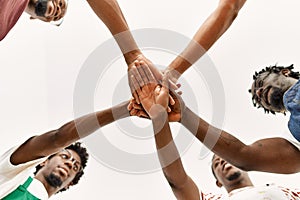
{"x":111,"y":15}
{"x":155,"y":102}
{"x":210,"y":31}
{"x":53,"y":141}
{"x":275,"y":155}
{"x":182,"y":185}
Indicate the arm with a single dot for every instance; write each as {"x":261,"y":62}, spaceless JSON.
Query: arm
{"x":53,"y":141}
{"x":154,"y":100}
{"x":210,"y":31}
{"x":111,"y":15}
{"x":182,"y":185}
{"x":275,"y":155}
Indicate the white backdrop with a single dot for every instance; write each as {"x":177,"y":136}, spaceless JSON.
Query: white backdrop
{"x":39,"y":65}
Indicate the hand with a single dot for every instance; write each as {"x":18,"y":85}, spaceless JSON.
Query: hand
{"x":158,"y":75}
{"x":152,"y":96}
{"x":177,"y":108}
{"x":174,"y":115}
{"x":136,"y":64}
{"x":136,"y":109}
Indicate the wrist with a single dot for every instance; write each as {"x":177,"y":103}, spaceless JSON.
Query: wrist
{"x":120,"y":111}
{"x":157,"y":112}
{"x":131,"y":56}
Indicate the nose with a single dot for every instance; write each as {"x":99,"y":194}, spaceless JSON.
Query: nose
{"x":69,"y":163}
{"x":259,"y":92}
{"x":222,"y":162}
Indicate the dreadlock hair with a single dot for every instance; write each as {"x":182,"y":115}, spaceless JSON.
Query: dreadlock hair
{"x":82,"y":152}
{"x":273,"y":69}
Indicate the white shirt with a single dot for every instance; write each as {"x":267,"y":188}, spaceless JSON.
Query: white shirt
{"x":272,"y":192}
{"x":11,"y":176}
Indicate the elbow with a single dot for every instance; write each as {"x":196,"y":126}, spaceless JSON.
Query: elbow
{"x":174,"y":181}
{"x":231,"y":7}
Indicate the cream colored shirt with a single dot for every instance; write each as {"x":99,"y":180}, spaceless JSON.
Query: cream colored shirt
{"x":11,"y":176}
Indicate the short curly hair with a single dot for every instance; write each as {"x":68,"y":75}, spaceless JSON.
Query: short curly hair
{"x":82,"y":152}
{"x":272,"y":69}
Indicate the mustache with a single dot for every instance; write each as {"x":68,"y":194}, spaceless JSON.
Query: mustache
{"x":234,"y":176}
{"x":276,"y":98}
{"x":41,"y":8}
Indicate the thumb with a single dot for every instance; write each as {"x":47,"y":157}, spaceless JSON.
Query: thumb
{"x":165,"y":83}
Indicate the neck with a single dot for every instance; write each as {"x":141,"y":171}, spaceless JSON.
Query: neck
{"x":50,"y":190}
{"x":239,"y":184}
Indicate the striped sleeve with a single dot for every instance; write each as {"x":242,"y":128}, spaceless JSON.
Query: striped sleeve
{"x":210,"y":196}
{"x":292,"y":194}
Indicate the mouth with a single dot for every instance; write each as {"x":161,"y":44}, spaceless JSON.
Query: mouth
{"x":63,"y":171}
{"x":266,"y":95}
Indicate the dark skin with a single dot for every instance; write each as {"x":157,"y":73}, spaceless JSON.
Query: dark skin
{"x":53,"y":141}
{"x":276,"y":155}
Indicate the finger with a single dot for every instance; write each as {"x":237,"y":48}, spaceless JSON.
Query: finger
{"x":171,"y":100}
{"x":142,"y":80}
{"x":143,"y":114}
{"x":130,"y":106}
{"x":165,"y":82}
{"x":135,"y":72}
{"x":132,"y":112}
{"x":135,"y":85}
{"x":136,"y":97}
{"x":148,"y":73}
{"x":137,"y":89}
{"x":178,"y":85}
{"x":173,"y":86}
{"x":137,"y":106}
{"x":142,"y":72}
{"x":169,"y":109}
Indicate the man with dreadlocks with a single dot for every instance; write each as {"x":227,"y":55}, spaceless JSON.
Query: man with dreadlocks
{"x":237,"y":183}
{"x":277,"y":90}
{"x":59,"y":163}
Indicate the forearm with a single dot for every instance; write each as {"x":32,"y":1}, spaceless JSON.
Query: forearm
{"x":167,"y":153}
{"x":52,"y":141}
{"x":210,"y":31}
{"x":220,"y":142}
{"x":88,"y":124}
{"x":111,"y":15}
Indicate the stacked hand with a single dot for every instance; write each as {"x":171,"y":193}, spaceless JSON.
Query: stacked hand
{"x":151,"y":94}
{"x":156,"y":76}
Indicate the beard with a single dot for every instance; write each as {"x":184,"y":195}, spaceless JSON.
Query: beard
{"x":53,"y":180}
{"x":276,"y":99}
{"x":41,"y":8}
{"x":234,"y":176}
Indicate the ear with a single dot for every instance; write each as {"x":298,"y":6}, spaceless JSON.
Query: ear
{"x":218,"y":183}
{"x":44,"y":163}
{"x":67,"y":186}
{"x":285,"y":72}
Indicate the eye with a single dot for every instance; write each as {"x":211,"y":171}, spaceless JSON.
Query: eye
{"x":260,"y":83}
{"x":75,"y":168}
{"x":64,"y":156}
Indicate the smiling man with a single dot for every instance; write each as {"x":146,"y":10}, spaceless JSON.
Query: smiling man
{"x":237,"y":183}
{"x":45,"y":10}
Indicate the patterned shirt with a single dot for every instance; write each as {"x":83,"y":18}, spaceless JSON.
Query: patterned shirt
{"x":268,"y":192}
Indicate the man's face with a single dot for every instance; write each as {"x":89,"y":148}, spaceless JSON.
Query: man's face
{"x":61,"y":169}
{"x":226,"y":174}
{"x":269,"y":87}
{"x":47,"y":10}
